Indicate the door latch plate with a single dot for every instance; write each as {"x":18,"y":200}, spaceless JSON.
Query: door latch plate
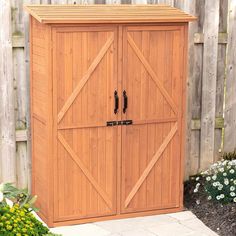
{"x":120,"y":122}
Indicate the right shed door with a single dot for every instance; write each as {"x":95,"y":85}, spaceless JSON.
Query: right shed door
{"x":153,"y":65}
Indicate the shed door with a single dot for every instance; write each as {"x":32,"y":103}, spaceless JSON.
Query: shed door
{"x":85,"y":75}
{"x":152,"y":79}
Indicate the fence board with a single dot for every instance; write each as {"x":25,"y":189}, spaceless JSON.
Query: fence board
{"x":7,"y":117}
{"x":220,"y":82}
{"x":209,"y":76}
{"x":230,"y":101}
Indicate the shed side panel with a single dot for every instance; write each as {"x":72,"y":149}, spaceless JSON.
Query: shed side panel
{"x":41,"y":114}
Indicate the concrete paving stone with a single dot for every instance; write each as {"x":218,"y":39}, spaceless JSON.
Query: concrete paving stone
{"x":116,"y":234}
{"x":81,"y":230}
{"x":173,"y":229}
{"x":184,"y":215}
{"x":176,"y":224}
{"x":115,"y":226}
{"x":137,"y":232}
{"x":199,"y":226}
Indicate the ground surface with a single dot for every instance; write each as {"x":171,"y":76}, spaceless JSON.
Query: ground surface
{"x":177,"y":224}
{"x":221,"y":219}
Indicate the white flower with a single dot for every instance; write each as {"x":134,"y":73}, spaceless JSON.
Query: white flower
{"x":224,"y":174}
{"x":198,"y":184}
{"x":209,"y":198}
{"x":218,"y":197}
{"x":214,"y":177}
{"x":221,"y":169}
{"x":231,"y":171}
{"x":232,"y":194}
{"x":197,"y":178}
{"x":232,"y":188}
{"x":235,"y":181}
{"x":226,"y":181}
{"x":222,"y":195}
{"x":1,"y":197}
{"x":195,"y":190}
{"x":235,"y":199}
{"x":208,"y":178}
{"x":220,"y":188}
{"x":215,"y":184}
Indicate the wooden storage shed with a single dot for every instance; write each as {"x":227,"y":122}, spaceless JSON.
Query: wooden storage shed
{"x":108,"y":98}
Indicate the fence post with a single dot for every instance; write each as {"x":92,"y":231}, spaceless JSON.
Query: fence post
{"x":230,"y":99}
{"x":7,"y":117}
{"x":209,"y":77}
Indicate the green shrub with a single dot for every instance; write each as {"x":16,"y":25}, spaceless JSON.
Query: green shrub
{"x":16,"y":218}
{"x":20,"y":221}
{"x":219,"y":181}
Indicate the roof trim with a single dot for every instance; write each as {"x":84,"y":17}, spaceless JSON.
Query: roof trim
{"x":54,"y":14}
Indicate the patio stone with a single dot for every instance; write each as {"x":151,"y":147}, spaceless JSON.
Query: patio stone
{"x":81,"y":230}
{"x":173,"y":229}
{"x":176,"y":224}
{"x":184,"y":215}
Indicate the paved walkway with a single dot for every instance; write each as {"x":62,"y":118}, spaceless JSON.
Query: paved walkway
{"x":178,"y":224}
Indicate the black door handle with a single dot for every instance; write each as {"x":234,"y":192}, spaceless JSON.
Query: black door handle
{"x":125,"y":101}
{"x":116,"y":102}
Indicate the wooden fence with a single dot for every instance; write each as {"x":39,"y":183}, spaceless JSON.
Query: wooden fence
{"x":211,"y":126}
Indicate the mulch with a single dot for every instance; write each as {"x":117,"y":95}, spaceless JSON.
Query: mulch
{"x":220,"y":218}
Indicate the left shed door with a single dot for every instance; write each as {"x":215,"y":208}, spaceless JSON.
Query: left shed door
{"x":84,"y":80}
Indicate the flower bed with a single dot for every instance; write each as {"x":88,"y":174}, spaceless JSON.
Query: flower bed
{"x":211,"y":195}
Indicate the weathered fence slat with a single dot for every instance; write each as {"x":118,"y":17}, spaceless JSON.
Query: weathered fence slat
{"x":230,"y":101}
{"x":220,"y":82}
{"x":7,"y":116}
{"x":209,"y":76}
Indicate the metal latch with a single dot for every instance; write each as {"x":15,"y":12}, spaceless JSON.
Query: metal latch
{"x":120,"y":122}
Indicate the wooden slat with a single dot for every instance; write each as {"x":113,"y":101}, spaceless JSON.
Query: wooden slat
{"x":209,"y":82}
{"x":196,"y":123}
{"x":85,"y":78}
{"x":107,"y":13}
{"x":18,"y":41}
{"x":21,"y":136}
{"x":152,"y":74}
{"x":230,"y":101}
{"x":86,"y":172}
{"x":151,"y":164}
{"x":7,"y":122}
{"x":220,"y":83}
{"x":222,"y":38}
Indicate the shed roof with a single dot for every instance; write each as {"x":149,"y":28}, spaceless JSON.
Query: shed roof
{"x":107,"y":13}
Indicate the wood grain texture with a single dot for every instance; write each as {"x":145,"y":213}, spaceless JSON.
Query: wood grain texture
{"x":149,"y":179}
{"x":209,"y":78}
{"x":7,"y":115}
{"x":230,"y":102}
{"x":107,"y":13}
{"x":220,"y":83}
{"x":86,"y":69}
{"x":41,"y":116}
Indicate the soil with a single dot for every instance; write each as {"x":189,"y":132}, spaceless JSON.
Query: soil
{"x":220,"y":218}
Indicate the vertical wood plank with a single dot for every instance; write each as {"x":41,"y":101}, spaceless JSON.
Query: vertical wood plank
{"x":230,"y":101}
{"x":220,"y":83}
{"x":209,"y":76}
{"x":7,"y":116}
{"x":193,"y":84}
